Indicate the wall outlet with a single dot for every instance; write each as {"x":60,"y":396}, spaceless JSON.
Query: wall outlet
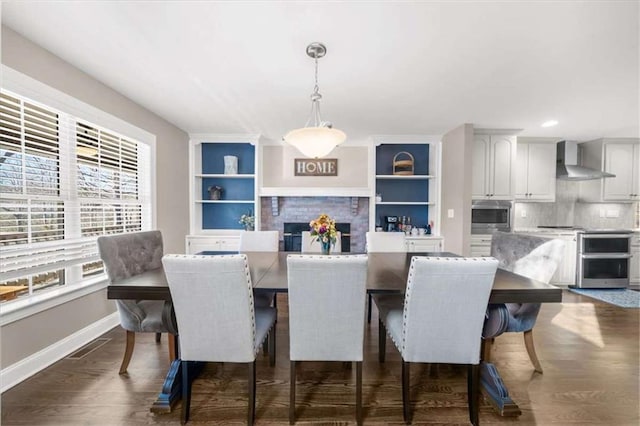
{"x":601,"y":212}
{"x":523,"y":213}
{"x":450,"y":213}
{"x":612,"y":213}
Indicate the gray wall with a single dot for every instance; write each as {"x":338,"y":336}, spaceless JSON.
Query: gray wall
{"x":25,"y":337}
{"x":457,"y":151}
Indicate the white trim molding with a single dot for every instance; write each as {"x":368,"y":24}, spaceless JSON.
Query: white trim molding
{"x":27,"y":367}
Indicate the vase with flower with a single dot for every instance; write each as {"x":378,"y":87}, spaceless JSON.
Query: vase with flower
{"x":323,"y":229}
{"x":248,"y":220}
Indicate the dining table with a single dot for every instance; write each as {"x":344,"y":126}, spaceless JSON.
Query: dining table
{"x":387,"y":273}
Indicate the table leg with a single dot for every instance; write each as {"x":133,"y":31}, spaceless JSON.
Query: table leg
{"x":172,"y":387}
{"x":496,"y":392}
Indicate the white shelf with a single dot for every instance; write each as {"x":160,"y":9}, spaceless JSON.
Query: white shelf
{"x":405,"y":203}
{"x":225,"y":201}
{"x":220,"y":175}
{"x":418,"y":177}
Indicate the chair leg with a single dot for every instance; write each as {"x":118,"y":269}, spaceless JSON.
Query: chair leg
{"x":473,"y":392}
{"x":158,"y":337}
{"x":251,"y":384}
{"x":172,"y":347}
{"x":186,"y":392}
{"x":359,"y":393}
{"x":272,"y":346}
{"x":382,"y":341}
{"x":487,"y":344}
{"x":369,"y":309}
{"x":275,"y":304}
{"x":531,"y":350}
{"x":292,"y":393}
{"x":406,"y":400}
{"x":128,"y":351}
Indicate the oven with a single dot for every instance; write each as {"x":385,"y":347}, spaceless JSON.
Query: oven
{"x":490,"y":215}
{"x":603,"y":259}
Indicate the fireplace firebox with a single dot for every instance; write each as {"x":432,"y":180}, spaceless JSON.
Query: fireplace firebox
{"x":292,"y":233}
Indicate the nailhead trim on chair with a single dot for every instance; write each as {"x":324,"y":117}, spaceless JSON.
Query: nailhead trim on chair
{"x":401,"y":346}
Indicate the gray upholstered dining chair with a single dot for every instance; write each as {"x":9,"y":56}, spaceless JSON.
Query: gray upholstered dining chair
{"x":385,"y":242}
{"x":261,"y":241}
{"x":530,"y":256}
{"x":126,"y":255}
{"x":439,"y":319}
{"x":217,"y":320}
{"x":326,"y":314}
{"x":310,"y":245}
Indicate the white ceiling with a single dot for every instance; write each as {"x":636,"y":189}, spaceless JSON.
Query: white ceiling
{"x":391,"y":67}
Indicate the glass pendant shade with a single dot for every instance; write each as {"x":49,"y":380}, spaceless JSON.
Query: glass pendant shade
{"x":315,"y":142}
{"x":317,"y":138}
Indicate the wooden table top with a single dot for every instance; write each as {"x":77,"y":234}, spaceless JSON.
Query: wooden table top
{"x":387,"y":274}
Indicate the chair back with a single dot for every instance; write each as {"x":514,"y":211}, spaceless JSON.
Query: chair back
{"x":527,"y":255}
{"x":126,"y":255}
{"x":444,"y":308}
{"x":259,"y":241}
{"x":310,"y":245}
{"x":386,"y":242}
{"x":326,"y":307}
{"x":213,"y":303}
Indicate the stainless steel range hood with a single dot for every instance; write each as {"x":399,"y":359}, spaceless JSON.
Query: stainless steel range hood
{"x":567,"y":167}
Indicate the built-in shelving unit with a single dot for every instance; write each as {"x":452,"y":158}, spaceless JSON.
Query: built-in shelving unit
{"x":239,"y":191}
{"x":413,"y":195}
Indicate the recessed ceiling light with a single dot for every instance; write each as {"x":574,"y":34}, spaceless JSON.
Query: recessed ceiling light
{"x":550,"y":123}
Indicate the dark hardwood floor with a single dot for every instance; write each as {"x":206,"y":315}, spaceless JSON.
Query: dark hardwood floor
{"x":588,"y":349}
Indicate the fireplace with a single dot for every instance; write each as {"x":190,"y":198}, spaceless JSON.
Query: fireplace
{"x":292,"y":233}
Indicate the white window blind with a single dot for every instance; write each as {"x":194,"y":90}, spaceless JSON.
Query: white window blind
{"x":63,"y":182}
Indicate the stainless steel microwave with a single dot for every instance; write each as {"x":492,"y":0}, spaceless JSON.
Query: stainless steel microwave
{"x":490,"y":215}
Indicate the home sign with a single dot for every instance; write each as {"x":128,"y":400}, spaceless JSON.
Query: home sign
{"x":315,"y":167}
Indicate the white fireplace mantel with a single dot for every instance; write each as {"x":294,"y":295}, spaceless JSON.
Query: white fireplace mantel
{"x":314,"y":192}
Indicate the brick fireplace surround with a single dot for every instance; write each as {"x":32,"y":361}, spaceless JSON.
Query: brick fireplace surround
{"x":304,"y":209}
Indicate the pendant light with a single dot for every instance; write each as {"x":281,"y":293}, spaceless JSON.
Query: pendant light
{"x":317,"y":138}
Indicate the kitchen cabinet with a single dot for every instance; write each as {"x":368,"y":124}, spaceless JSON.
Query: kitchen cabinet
{"x":634,"y":265}
{"x":535,"y":172}
{"x":492,"y":168}
{"x":623,"y":160}
{"x":480,"y":245}
{"x":618,"y":156}
{"x":198,"y":243}
{"x":424,"y":244}
{"x":566,"y":272}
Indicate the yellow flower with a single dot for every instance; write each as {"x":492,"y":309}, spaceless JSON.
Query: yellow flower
{"x":324,"y":229}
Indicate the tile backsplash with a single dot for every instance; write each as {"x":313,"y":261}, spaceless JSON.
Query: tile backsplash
{"x":568,"y":211}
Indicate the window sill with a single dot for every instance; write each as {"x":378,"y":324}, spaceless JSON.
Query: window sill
{"x":31,"y":305}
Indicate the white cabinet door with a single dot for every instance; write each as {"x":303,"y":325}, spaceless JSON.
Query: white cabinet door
{"x":481,"y":245}
{"x":492,"y":167}
{"x":566,"y":272}
{"x":501,"y":167}
{"x":480,"y":167}
{"x":522,"y":172}
{"x":541,"y":172}
{"x":535,"y":172}
{"x":622,"y":159}
{"x":424,"y":244}
{"x":197,"y":244}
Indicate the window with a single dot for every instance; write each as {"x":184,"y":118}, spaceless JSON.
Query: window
{"x":63,"y":181}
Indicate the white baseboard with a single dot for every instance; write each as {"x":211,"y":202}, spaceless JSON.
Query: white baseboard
{"x":25,"y":368}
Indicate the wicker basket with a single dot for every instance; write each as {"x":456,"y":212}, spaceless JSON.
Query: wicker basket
{"x":404,"y":165}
